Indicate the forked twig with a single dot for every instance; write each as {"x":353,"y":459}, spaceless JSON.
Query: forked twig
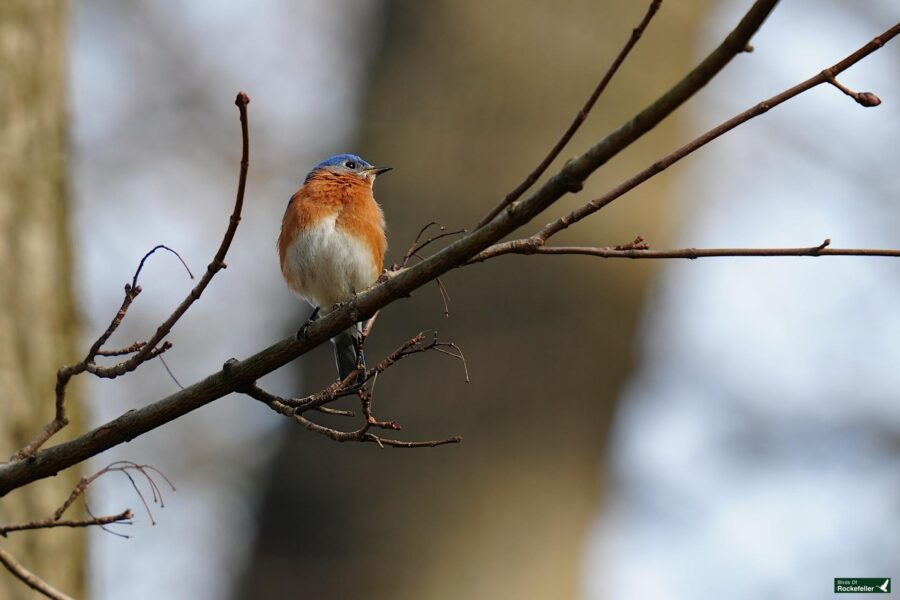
{"x":141,"y":352}
{"x":55,"y":520}
{"x":295,"y":408}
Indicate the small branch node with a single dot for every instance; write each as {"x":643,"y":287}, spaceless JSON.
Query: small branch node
{"x":637,"y":244}
{"x":821,"y":246}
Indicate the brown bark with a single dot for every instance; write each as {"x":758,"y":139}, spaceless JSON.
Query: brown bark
{"x":38,"y":328}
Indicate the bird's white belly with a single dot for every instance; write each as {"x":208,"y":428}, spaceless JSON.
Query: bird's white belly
{"x":326,"y":266}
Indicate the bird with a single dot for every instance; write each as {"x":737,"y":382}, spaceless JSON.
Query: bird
{"x":332,"y":244}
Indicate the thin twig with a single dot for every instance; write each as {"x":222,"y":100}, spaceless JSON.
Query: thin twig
{"x":122,"y":351}
{"x":113,"y":371}
{"x":335,"y":411}
{"x":151,"y":348}
{"x":445,"y":297}
{"x":416,"y":247}
{"x":580,"y":117}
{"x":29,"y":578}
{"x":867,"y":99}
{"x":694,"y":253}
{"x":218,"y":261}
{"x":442,"y":290}
{"x":169,"y":371}
{"x":350,"y":384}
{"x":413,"y":252}
{"x":294,"y":408}
{"x":454,"y":352}
{"x":415,"y":243}
{"x":382,"y":441}
{"x":122,"y":518}
{"x":359,"y":435}
{"x":147,"y":471}
{"x":137,"y":273}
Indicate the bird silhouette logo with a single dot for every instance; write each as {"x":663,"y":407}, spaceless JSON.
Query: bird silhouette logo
{"x":886,"y":586}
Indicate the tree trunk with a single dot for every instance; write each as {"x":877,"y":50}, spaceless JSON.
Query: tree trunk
{"x":38,"y":325}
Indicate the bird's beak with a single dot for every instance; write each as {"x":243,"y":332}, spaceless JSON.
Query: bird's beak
{"x":375,"y":171}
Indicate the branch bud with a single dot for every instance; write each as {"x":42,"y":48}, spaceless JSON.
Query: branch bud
{"x":868,"y":99}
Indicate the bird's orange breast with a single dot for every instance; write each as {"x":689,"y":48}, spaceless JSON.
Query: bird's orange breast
{"x":350,"y":198}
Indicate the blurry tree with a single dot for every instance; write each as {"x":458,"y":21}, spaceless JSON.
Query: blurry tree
{"x":464,"y":104}
{"x":38,"y":324}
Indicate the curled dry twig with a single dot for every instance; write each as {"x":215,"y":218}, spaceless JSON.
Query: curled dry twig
{"x":130,"y":470}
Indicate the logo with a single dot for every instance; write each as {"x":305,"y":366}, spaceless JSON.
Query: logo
{"x":862,"y":585}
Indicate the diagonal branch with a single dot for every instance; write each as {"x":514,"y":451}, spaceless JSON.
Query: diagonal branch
{"x":532,"y":177}
{"x":397,"y":284}
{"x":29,"y":578}
{"x":825,"y":76}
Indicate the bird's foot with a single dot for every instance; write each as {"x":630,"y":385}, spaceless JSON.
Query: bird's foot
{"x":351,"y":303}
{"x":301,"y":333}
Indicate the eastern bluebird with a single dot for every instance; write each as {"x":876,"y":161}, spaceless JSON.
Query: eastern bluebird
{"x":332,"y":242}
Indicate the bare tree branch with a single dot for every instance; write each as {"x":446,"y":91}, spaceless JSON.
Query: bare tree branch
{"x":532,"y":177}
{"x":123,"y":518}
{"x":238,"y":375}
{"x":826,"y":76}
{"x":822,"y":249}
{"x":29,"y":578}
{"x":122,"y":351}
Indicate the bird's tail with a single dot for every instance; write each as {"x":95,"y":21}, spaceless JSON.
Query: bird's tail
{"x":345,"y":354}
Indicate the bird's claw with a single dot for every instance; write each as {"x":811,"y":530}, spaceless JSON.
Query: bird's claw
{"x":301,"y":333}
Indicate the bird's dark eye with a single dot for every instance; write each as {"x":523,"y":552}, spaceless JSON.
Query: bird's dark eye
{"x":350,"y":164}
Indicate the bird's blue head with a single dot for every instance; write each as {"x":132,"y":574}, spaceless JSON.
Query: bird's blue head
{"x":348,"y":164}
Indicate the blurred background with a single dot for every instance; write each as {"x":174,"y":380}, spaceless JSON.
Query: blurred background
{"x":721,"y":427}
